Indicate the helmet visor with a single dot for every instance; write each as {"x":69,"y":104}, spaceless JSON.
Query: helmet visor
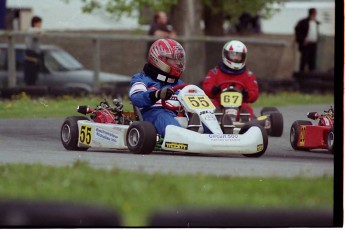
{"x":236,"y":57}
{"x":176,"y":60}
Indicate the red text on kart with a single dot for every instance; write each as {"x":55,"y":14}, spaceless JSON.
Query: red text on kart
{"x":231,"y":99}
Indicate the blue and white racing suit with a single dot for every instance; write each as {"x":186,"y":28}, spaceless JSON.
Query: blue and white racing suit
{"x":139,"y":94}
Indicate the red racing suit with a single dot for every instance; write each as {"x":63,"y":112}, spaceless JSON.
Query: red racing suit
{"x":221,"y":74}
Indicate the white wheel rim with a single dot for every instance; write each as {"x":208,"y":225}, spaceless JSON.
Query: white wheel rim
{"x":133,"y":137}
{"x":66,"y":133}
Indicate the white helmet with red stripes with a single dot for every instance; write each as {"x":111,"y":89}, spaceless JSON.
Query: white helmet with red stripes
{"x":234,"y":55}
{"x":167,"y":55}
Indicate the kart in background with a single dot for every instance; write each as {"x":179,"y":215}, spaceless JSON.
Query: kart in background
{"x":110,"y":127}
{"x":231,"y":99}
{"x":305,"y":136}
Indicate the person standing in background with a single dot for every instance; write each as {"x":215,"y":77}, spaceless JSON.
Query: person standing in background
{"x":32,"y":53}
{"x":306,"y":34}
{"x":160,"y":28}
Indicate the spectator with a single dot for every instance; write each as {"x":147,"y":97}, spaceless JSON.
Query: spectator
{"x":32,"y":53}
{"x":306,"y":34}
{"x":161,"y":28}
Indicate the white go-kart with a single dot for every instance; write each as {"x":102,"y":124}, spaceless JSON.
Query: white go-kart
{"x":200,"y":131}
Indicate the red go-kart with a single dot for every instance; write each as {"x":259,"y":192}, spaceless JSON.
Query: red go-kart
{"x":305,"y":136}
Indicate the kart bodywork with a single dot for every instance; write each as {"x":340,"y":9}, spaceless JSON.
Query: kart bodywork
{"x":305,"y":136}
{"x":114,"y":129}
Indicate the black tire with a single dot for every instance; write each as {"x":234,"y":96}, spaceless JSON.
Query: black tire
{"x":294,"y":133}
{"x":141,"y":137}
{"x":264,"y":137}
{"x":268,"y":110}
{"x":69,"y":133}
{"x":277,"y":124}
{"x":330,"y":140}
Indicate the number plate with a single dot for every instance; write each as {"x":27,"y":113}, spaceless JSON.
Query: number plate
{"x":199,"y":102}
{"x":85,"y":134}
{"x":231,"y":99}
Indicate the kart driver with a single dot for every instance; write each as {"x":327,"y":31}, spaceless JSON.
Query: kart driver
{"x":166,"y":63}
{"x":232,"y":68}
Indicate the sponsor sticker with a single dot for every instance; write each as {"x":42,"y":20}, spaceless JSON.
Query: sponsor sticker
{"x":302,"y":136}
{"x":106,"y":135}
{"x":224,"y":137}
{"x":174,"y":145}
{"x":259,"y":147}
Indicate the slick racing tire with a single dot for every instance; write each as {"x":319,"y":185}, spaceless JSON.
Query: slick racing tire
{"x":264,"y":138}
{"x":70,"y":134}
{"x":277,"y":124}
{"x":294,"y":133}
{"x":330,"y":140}
{"x":141,"y":137}
{"x":268,"y":110}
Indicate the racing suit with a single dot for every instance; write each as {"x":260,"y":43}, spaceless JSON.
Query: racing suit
{"x":222,"y":73}
{"x":142,"y":84}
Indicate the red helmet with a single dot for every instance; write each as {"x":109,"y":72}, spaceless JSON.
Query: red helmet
{"x":167,"y":55}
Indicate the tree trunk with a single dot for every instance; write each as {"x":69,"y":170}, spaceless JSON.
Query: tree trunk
{"x":186,"y":18}
{"x":214,"y":21}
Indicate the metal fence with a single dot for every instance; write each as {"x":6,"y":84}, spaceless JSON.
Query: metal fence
{"x":269,"y":58}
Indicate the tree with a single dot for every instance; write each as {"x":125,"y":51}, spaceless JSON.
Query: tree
{"x":212,"y":12}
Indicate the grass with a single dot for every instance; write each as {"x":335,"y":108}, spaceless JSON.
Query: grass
{"x":135,"y":196}
{"x":23,"y":106}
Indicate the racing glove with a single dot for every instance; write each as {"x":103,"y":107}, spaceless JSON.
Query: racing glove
{"x":215,"y":90}
{"x":245,"y":94}
{"x":163,"y":94}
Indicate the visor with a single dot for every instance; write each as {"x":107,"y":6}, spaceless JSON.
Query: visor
{"x":235,"y":57}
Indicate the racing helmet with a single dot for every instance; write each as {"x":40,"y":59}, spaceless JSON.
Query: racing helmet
{"x":167,"y":55}
{"x":234,"y":54}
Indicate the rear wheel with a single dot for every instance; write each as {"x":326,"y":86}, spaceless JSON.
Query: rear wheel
{"x":141,"y":137}
{"x":295,"y":131}
{"x":69,"y":133}
{"x":330,"y":140}
{"x":245,"y":128}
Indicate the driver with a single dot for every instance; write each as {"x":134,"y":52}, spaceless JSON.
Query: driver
{"x":166,"y":63}
{"x":233,"y":68}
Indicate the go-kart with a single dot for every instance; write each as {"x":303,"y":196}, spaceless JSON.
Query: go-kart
{"x":200,"y":131}
{"x":231,"y":99}
{"x":306,"y":136}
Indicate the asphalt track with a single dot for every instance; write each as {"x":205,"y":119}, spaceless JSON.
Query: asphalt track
{"x":38,"y":141}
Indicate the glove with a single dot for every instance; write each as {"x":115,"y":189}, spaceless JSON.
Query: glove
{"x":163,"y":94}
{"x":215,"y":90}
{"x":245,"y":94}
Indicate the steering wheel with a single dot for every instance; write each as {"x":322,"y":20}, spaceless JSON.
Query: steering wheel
{"x":232,"y":83}
{"x":169,"y":106}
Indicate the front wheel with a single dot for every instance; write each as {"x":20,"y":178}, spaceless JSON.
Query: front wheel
{"x":277,"y":124}
{"x":69,"y":133}
{"x":141,"y":137}
{"x":330,"y":140}
{"x":295,"y":132}
{"x":264,"y":138}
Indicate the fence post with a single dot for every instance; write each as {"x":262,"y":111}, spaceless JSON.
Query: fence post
{"x":96,"y":63}
{"x":12,"y":80}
